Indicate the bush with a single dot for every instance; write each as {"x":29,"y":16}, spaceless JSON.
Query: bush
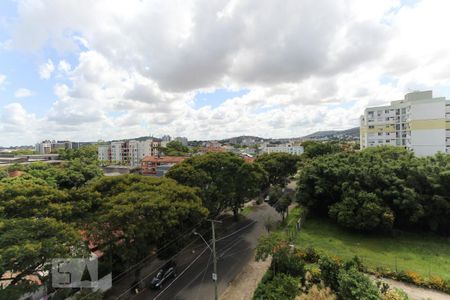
{"x":353,"y":285}
{"x":284,"y":261}
{"x":315,"y":293}
{"x":395,"y":294}
{"x":437,"y":282}
{"x":280,"y":287}
{"x":311,"y":256}
{"x":411,"y":277}
{"x":329,"y":270}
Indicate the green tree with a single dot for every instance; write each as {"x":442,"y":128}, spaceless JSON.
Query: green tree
{"x":223,"y":179}
{"x":3,"y":174}
{"x":283,"y":205}
{"x":27,"y":246}
{"x":362,"y":211}
{"x":379,"y":188}
{"x":88,"y":154}
{"x":77,"y":172}
{"x":26,"y":196}
{"x":279,"y":166}
{"x":133,"y":213}
{"x":175,"y":148}
{"x":314,"y":149}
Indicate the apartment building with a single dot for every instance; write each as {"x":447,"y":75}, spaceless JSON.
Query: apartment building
{"x":128,"y":152}
{"x":283,"y":148}
{"x":419,"y":122}
{"x":47,"y":146}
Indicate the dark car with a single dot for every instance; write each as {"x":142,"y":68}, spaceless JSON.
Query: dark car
{"x":166,"y":272}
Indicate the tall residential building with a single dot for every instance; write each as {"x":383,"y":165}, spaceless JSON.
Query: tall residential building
{"x":128,"y":152}
{"x":419,"y":122}
{"x":47,"y":146}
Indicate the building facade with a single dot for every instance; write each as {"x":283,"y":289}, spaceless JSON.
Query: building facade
{"x":158,"y":166}
{"x":283,"y":148}
{"x":128,"y":152}
{"x":419,"y":122}
{"x":47,"y":146}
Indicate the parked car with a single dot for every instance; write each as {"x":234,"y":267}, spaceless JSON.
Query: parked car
{"x":166,"y":272}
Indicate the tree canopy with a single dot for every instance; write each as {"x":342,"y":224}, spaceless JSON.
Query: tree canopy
{"x":175,"y":148}
{"x":279,"y":166}
{"x":379,"y":189}
{"x":132,"y":213}
{"x":223,"y":179}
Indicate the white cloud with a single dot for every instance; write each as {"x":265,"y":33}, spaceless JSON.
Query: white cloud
{"x":46,"y":69}
{"x":64,"y":66}
{"x":23,"y":93}
{"x":308,"y":65}
{"x":2,"y":79}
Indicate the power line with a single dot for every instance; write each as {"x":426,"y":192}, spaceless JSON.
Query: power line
{"x":150,"y":256}
{"x":240,"y":229}
{"x":153,"y":270}
{"x":184,"y":271}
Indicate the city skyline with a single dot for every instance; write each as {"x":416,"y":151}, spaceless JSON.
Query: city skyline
{"x":210,"y":71}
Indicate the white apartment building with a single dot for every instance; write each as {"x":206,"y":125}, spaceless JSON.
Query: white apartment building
{"x":104,"y":152}
{"x":283,"y":148}
{"x":419,"y":122}
{"x":128,"y":152}
{"x":47,"y":146}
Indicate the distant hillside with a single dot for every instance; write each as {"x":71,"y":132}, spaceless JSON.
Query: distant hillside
{"x":352,"y":133}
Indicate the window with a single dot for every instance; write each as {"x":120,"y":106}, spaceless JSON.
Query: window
{"x":371,"y":126}
{"x":380,"y":133}
{"x":403,"y":111}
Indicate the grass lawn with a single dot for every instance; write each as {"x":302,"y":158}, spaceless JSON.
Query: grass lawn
{"x":421,"y":253}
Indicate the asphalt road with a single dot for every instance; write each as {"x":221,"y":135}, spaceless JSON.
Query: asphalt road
{"x":195,"y":267}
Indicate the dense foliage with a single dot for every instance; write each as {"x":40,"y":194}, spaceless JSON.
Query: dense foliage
{"x":175,"y":148}
{"x":224,"y":180}
{"x":279,"y":166}
{"x":314,"y":149}
{"x":49,"y":211}
{"x":379,"y":189}
{"x":129,"y":214}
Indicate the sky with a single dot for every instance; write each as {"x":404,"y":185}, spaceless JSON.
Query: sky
{"x":87,"y":70}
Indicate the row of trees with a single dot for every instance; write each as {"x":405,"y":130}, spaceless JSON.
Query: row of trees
{"x":379,"y":189}
{"x":49,"y":210}
{"x":225,"y":180}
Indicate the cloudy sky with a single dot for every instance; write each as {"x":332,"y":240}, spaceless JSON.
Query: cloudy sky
{"x":89,"y":70}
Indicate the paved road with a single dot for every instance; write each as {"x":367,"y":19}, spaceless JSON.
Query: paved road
{"x":195,"y":264}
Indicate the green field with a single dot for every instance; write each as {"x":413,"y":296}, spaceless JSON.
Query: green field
{"x":421,"y":253}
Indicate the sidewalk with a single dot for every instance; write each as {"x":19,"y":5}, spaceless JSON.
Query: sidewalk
{"x":244,"y":285}
{"x":414,"y":292}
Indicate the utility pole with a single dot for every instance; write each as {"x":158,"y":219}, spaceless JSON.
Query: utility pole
{"x":213,"y":250}
{"x":214,"y":275}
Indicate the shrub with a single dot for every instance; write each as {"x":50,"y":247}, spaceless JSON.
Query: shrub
{"x":288,"y":263}
{"x":311,"y":256}
{"x":353,"y":285}
{"x":281,"y":287}
{"x":413,"y":277}
{"x":437,"y":282}
{"x":315,"y":293}
{"x":329,"y":270}
{"x":395,"y":294}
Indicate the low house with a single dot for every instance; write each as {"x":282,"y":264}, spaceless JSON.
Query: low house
{"x":158,"y":166}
